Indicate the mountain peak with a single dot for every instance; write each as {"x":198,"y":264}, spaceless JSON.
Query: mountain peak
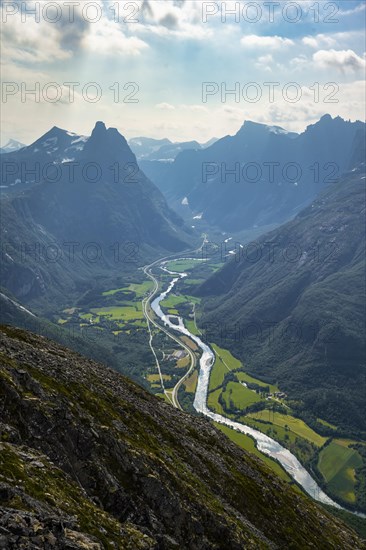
{"x":56,"y":130}
{"x":328,"y":124}
{"x":258,"y":128}
{"x":100,"y":129}
{"x":99,"y":125}
{"x":327,"y":117}
{"x":107,"y":144}
{"x":248,"y":124}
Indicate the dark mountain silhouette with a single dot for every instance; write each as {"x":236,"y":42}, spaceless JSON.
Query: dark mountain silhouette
{"x":261,"y":176}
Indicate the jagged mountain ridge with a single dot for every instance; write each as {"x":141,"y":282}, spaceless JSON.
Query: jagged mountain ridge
{"x":263,"y":175}
{"x":149,"y":149}
{"x":89,"y":458}
{"x":93,"y":192}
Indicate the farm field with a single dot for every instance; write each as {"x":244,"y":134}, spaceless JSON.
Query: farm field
{"x":337,"y":463}
{"x":172,"y":301}
{"x":189,"y":343}
{"x":239,"y":397}
{"x":120,"y":306}
{"x":156,"y":377}
{"x":183,"y":362}
{"x":295,"y":425}
{"x":224,"y":363}
{"x":213,"y":403}
{"x":191,"y":281}
{"x":191,"y":382}
{"x":191,"y":326}
{"x":182,"y":265}
{"x":119,"y":313}
{"x":140,"y":289}
{"x":244,"y":377}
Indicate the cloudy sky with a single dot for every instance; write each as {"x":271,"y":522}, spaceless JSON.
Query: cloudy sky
{"x":166,"y":68}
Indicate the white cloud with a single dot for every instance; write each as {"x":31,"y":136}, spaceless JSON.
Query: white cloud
{"x":352,"y":11}
{"x":265,"y":59}
{"x":319,"y":40}
{"x":193,"y":107}
{"x":265,"y":63}
{"x":31,"y":42}
{"x":165,"y":107}
{"x":28,"y":41}
{"x":181,"y":107}
{"x":341,"y":39}
{"x":275,"y":42}
{"x":180,"y":20}
{"x":106,"y":38}
{"x":299,"y":61}
{"x":342,"y":60}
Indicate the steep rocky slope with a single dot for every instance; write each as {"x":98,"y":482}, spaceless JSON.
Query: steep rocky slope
{"x":90,"y":460}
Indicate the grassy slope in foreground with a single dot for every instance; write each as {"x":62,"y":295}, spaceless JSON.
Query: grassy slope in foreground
{"x":136,"y":458}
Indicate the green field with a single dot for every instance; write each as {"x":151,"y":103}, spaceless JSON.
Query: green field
{"x":224,"y":363}
{"x":189,"y":281}
{"x":182,"y":265}
{"x":244,"y":377}
{"x":337,"y":463}
{"x":191,"y":326}
{"x":113,"y":291}
{"x":237,"y":393}
{"x":119,"y":313}
{"x":172,"y":311}
{"x":295,"y":425}
{"x":247,"y":443}
{"x":86,"y":316}
{"x":156,"y":377}
{"x":183,"y":362}
{"x":174,"y":300}
{"x":139,"y":288}
{"x":122,"y":311}
{"x":191,"y":382}
{"x":239,"y":396}
{"x":213,"y":403}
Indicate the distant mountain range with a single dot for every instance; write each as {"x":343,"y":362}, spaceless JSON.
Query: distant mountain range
{"x":64,"y":189}
{"x":263,"y":175}
{"x":164,"y":150}
{"x":11,"y":146}
{"x":291,"y":306}
{"x":156,"y":155}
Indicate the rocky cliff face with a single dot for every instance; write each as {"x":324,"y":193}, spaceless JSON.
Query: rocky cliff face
{"x":90,"y":460}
